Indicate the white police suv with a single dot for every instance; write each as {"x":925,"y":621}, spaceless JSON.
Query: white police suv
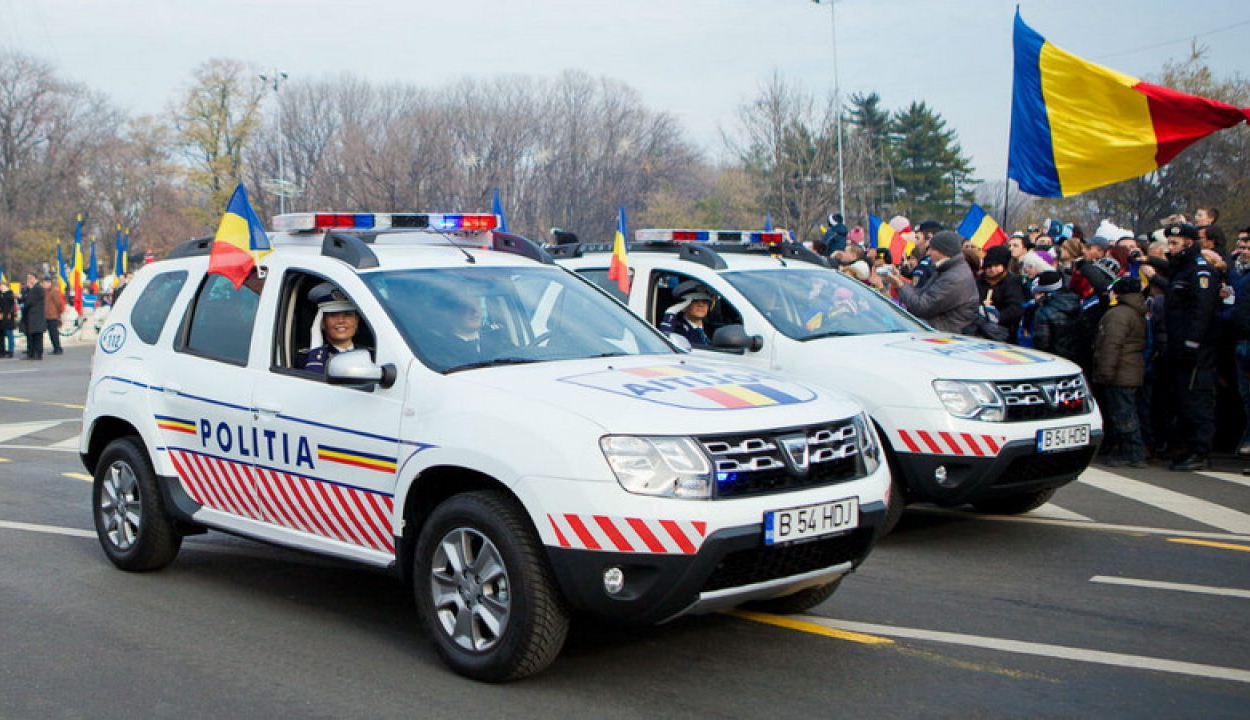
{"x":963,"y":420}
{"x":495,"y":429}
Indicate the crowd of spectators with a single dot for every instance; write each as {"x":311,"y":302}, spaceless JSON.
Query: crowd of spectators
{"x":1158,"y":321}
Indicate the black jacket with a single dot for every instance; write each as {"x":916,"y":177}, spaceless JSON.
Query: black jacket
{"x":1193,"y":298}
{"x":1009,"y":299}
{"x":32,"y":310}
{"x":1054,"y":324}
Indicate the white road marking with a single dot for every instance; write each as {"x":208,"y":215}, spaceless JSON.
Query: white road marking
{"x":1207,"y":513}
{"x":1054,"y":512}
{"x":8,"y":431}
{"x":1061,"y":652}
{"x":47,"y":529}
{"x":1181,"y":587}
{"x":1235,"y":478}
{"x":17,"y":372}
{"x":66,"y":444}
{"x":40,"y":447}
{"x":1136,"y":529}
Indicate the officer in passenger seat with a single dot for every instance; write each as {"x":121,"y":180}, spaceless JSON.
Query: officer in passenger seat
{"x":337,"y":321}
{"x":689,"y":316}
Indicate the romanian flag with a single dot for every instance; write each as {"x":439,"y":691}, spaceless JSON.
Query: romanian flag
{"x":75,"y":272}
{"x":619,"y":269}
{"x":62,"y":275}
{"x":1076,"y":126}
{"x":120,"y":247}
{"x":981,"y":229}
{"x":240,"y":240}
{"x":882,"y":235}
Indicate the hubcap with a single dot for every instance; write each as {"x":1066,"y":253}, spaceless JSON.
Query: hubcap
{"x":470,"y":589}
{"x":120,"y":511}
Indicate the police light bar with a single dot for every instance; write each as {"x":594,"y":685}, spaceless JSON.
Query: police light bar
{"x":442,"y":222}
{"x":729,"y":237}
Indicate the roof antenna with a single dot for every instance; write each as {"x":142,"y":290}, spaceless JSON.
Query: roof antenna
{"x":467,"y":256}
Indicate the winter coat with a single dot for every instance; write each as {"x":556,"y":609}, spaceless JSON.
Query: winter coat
{"x":1054,"y":324}
{"x":54,"y":303}
{"x":1119,"y":349}
{"x":8,"y":310}
{"x":1009,"y":297}
{"x":948,"y":302}
{"x":32,"y":311}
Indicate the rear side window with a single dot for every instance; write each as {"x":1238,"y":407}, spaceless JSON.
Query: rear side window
{"x":221,"y":320}
{"x":152,"y":308}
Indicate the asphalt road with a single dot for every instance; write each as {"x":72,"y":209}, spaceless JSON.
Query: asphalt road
{"x":1129,"y":596}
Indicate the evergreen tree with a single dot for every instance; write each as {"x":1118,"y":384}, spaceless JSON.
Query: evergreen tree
{"x":931,"y":173}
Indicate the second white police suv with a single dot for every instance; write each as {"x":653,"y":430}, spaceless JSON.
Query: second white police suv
{"x":502,"y":435}
{"x":963,"y":420}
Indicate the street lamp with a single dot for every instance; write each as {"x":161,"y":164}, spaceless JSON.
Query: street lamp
{"x":279,"y":186}
{"x":837,"y":101}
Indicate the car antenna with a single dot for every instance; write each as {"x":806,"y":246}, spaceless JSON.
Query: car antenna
{"x":467,"y":255}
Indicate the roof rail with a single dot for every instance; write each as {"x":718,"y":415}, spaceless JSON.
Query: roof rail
{"x":519,"y":245}
{"x":704,"y":253}
{"x":349,"y":248}
{"x":192,"y":248}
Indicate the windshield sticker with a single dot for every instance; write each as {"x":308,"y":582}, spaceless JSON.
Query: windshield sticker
{"x":986,"y":352}
{"x":697,"y":388}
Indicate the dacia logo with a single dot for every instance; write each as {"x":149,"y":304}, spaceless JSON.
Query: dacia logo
{"x":795,"y":449}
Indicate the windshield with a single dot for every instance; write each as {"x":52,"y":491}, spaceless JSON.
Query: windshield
{"x":805,"y":304}
{"x":456,"y":318}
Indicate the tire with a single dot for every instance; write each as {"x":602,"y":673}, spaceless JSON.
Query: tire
{"x":897,"y":504}
{"x":799,"y":602}
{"x":503,"y":624}
{"x":131,"y":521}
{"x":1015,"y":504}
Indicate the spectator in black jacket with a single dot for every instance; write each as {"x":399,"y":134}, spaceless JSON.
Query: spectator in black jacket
{"x":1054,"y":321}
{"x":1000,"y":289}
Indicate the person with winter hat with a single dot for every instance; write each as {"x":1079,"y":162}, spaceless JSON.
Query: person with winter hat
{"x":1120,"y":368}
{"x":1000,"y":289}
{"x":1054,"y":317}
{"x":949,"y":301}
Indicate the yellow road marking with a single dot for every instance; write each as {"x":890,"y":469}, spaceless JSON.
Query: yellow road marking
{"x":78,"y":476}
{"x":13,"y":399}
{"x":808,"y":627}
{"x":4,"y":459}
{"x":71,"y":406}
{"x":1208,"y":543}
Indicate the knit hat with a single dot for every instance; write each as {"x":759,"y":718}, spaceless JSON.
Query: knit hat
{"x":1109,"y":265}
{"x":1048,"y":282}
{"x":997,"y":255}
{"x":947,"y":242}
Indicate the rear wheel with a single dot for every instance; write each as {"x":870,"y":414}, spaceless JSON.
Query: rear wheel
{"x":799,"y":602}
{"x":485,"y":591}
{"x":1015,"y":504}
{"x":134,"y":528}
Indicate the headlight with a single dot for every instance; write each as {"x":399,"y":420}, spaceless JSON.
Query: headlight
{"x":660,"y":466}
{"x":971,"y":400}
{"x":869,"y":447}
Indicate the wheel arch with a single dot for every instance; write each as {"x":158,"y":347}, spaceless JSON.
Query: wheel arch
{"x":103,"y":431}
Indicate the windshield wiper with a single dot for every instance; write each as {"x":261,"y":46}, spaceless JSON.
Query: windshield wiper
{"x":493,"y":363}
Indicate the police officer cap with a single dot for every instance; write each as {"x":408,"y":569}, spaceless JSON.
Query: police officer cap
{"x":330,"y":299}
{"x":1184,"y":230}
{"x":692,"y":290}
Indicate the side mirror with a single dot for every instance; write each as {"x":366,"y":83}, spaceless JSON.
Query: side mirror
{"x":356,"y":367}
{"x":735,"y":337}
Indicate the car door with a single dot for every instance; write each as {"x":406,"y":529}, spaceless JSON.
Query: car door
{"x":328,"y":454}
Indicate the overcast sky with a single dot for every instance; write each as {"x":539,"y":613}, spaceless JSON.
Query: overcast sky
{"x":698,"y":60}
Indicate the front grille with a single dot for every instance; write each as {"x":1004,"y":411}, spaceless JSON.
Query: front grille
{"x":761,"y":564}
{"x":775,"y":461}
{"x":1041,"y":466}
{"x":1045,"y":399}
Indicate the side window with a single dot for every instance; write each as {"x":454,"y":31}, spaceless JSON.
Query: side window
{"x":152,"y":308}
{"x":600,"y":278}
{"x":302,"y":327}
{"x":221,"y":320}
{"x":662,"y":298}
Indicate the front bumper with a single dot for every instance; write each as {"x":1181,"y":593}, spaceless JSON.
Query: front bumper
{"x":732,"y":566}
{"x":1018,"y":468}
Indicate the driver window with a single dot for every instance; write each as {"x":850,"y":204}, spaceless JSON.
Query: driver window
{"x":318,"y":319}
{"x":665,"y":298}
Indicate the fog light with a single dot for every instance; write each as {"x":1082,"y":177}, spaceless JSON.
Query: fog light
{"x":940,"y":475}
{"x":613,"y":580}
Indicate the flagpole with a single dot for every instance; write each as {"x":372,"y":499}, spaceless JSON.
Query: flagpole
{"x":1006,"y":202}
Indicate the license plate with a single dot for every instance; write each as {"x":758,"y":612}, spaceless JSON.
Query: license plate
{"x":782,"y":526}
{"x":1062,"y":438}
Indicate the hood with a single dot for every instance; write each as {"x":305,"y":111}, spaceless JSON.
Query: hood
{"x":891,"y":358}
{"x":658,"y":395}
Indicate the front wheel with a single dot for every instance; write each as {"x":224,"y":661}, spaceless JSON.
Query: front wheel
{"x":485,"y":591}
{"x":1015,"y":504}
{"x":131,"y":521}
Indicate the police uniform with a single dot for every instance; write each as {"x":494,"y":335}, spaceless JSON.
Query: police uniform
{"x":317,"y":358}
{"x":922,"y":273}
{"x":1192,"y":301}
{"x":329,"y":299}
{"x":674,"y":321}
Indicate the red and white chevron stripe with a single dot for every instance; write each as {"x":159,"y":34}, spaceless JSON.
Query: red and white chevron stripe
{"x":291,"y":501}
{"x":948,"y":443}
{"x":625,"y":534}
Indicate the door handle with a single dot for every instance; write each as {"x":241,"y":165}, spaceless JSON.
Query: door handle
{"x":173,"y":389}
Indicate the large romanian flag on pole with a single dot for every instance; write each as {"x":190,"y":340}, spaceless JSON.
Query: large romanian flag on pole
{"x":981,"y":229}
{"x":1076,"y":126}
{"x":240,"y":241}
{"x":618,"y":270}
